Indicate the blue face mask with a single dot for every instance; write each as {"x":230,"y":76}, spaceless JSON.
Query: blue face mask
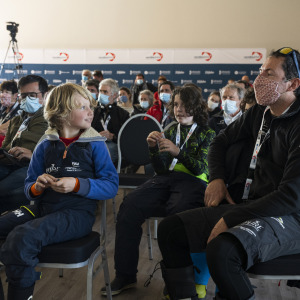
{"x":103,"y":99}
{"x":229,"y":106}
{"x":123,"y":99}
{"x":30,"y":105}
{"x":144,"y":104}
{"x":139,"y":81}
{"x":165,"y":97}
{"x":94,"y":95}
{"x":84,"y":78}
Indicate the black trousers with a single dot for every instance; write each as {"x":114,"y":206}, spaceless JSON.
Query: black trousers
{"x":174,"y":246}
{"x":161,"y":196}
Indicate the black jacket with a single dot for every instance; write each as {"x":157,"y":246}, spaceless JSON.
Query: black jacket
{"x":136,"y":89}
{"x":216,"y":122}
{"x":118,"y":117}
{"x":275,"y":187}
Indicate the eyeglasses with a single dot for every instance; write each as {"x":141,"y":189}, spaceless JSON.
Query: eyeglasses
{"x":31,"y":95}
{"x":290,"y":51}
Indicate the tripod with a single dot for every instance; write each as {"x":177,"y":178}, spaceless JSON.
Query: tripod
{"x":13,"y":45}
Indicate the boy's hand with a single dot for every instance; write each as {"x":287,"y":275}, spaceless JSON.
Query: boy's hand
{"x":153,"y":138}
{"x":44,"y":181}
{"x":64,"y":185}
{"x":166,"y":145}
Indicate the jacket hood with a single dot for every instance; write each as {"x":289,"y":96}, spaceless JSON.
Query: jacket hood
{"x":88,"y":135}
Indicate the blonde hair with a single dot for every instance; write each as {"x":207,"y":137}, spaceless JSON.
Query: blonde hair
{"x":61,"y":101}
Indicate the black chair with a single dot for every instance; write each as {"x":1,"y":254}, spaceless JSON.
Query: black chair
{"x":280,"y":268}
{"x":79,"y":253}
{"x":133,"y":147}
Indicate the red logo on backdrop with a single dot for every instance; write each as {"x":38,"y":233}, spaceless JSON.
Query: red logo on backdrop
{"x":19,"y":55}
{"x":259,"y":55}
{"x":113,"y":56}
{"x":209,"y":55}
{"x":66,"y":55}
{"x":160,"y":55}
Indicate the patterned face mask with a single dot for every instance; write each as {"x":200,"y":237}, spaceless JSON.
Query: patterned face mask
{"x":266,"y":90}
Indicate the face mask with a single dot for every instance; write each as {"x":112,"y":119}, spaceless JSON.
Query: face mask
{"x":104,"y":99}
{"x":6,"y":102}
{"x":266,"y":90}
{"x":144,"y":104}
{"x":84,"y":78}
{"x":165,"y":97}
{"x":229,"y":106}
{"x":123,"y":99}
{"x":94,"y":95}
{"x":30,"y":105}
{"x":139,"y":81}
{"x":212,"y":105}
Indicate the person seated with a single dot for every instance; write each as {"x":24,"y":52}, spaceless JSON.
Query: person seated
{"x":160,"y":110}
{"x":243,"y":84}
{"x":231,"y":96}
{"x":179,"y":158}
{"x":214,"y":103}
{"x":93,"y":86}
{"x":23,"y":133}
{"x":263,"y":222}
{"x":108,"y":116}
{"x":160,"y":80}
{"x":65,"y":195}
{"x":124,"y":101}
{"x":98,"y":75}
{"x":9,"y":105}
{"x":139,"y":85}
{"x":85,"y":75}
{"x":249,"y":100}
{"x":146,"y":98}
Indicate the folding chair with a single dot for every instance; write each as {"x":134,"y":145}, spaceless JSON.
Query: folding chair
{"x":280,"y":268}
{"x":79,"y":253}
{"x":133,"y":147}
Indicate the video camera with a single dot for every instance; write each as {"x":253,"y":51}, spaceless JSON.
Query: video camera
{"x":13,"y":28}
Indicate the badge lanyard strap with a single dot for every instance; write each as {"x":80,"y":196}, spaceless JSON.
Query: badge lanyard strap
{"x":6,"y":118}
{"x":104,"y":125}
{"x":256,"y":150}
{"x":166,"y":114}
{"x":174,"y":162}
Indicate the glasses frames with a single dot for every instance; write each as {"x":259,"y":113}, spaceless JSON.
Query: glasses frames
{"x":31,"y":95}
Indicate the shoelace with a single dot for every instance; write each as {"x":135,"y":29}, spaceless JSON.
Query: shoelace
{"x":148,"y":281}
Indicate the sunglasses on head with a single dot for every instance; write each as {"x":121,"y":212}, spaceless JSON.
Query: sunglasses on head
{"x":289,"y":51}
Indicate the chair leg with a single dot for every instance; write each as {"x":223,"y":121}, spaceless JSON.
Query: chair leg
{"x":114,"y":209}
{"x":149,"y":239}
{"x":155,"y":229}
{"x":106,"y":275}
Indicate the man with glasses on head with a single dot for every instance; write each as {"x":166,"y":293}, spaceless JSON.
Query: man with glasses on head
{"x":24,"y":131}
{"x":264,"y":221}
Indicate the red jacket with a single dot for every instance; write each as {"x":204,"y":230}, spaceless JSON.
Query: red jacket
{"x":156,"y":111}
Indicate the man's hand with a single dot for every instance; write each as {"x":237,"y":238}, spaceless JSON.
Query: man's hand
{"x":64,"y":185}
{"x":153,"y":138}
{"x":220,"y":227}
{"x":44,"y":181}
{"x":20,"y":152}
{"x":166,"y":145}
{"x":215,"y":192}
{"x":107,"y":134}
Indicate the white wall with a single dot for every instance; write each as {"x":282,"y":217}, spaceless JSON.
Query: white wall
{"x":152,"y":23}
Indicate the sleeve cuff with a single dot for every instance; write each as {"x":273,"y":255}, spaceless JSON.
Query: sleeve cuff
{"x":34,"y":192}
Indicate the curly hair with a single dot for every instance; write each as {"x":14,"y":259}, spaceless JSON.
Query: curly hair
{"x":193,"y":103}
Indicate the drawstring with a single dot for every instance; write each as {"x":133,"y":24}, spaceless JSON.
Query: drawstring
{"x":148,"y":281}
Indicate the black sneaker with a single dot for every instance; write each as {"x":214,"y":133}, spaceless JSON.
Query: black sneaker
{"x":118,"y":285}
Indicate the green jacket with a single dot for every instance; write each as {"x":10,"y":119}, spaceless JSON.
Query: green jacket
{"x":30,"y":136}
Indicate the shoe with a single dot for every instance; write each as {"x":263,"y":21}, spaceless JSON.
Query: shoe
{"x":118,"y":285}
{"x":167,"y":297}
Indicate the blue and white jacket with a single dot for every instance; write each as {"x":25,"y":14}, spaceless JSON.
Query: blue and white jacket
{"x":86,"y":159}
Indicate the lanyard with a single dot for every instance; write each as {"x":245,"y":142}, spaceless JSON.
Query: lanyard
{"x":104,"y":125}
{"x":23,"y":127}
{"x":174,"y":162}
{"x":7,"y":117}
{"x":166,"y":114}
{"x":256,"y":150}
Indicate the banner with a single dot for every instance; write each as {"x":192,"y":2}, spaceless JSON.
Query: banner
{"x":210,"y":69}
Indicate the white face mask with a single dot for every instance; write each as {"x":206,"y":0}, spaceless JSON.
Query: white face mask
{"x":229,"y":106}
{"x":212,"y":105}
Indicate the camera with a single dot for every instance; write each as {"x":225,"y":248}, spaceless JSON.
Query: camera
{"x":13,"y":28}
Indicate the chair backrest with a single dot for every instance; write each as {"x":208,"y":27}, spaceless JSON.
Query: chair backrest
{"x":132,"y":144}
